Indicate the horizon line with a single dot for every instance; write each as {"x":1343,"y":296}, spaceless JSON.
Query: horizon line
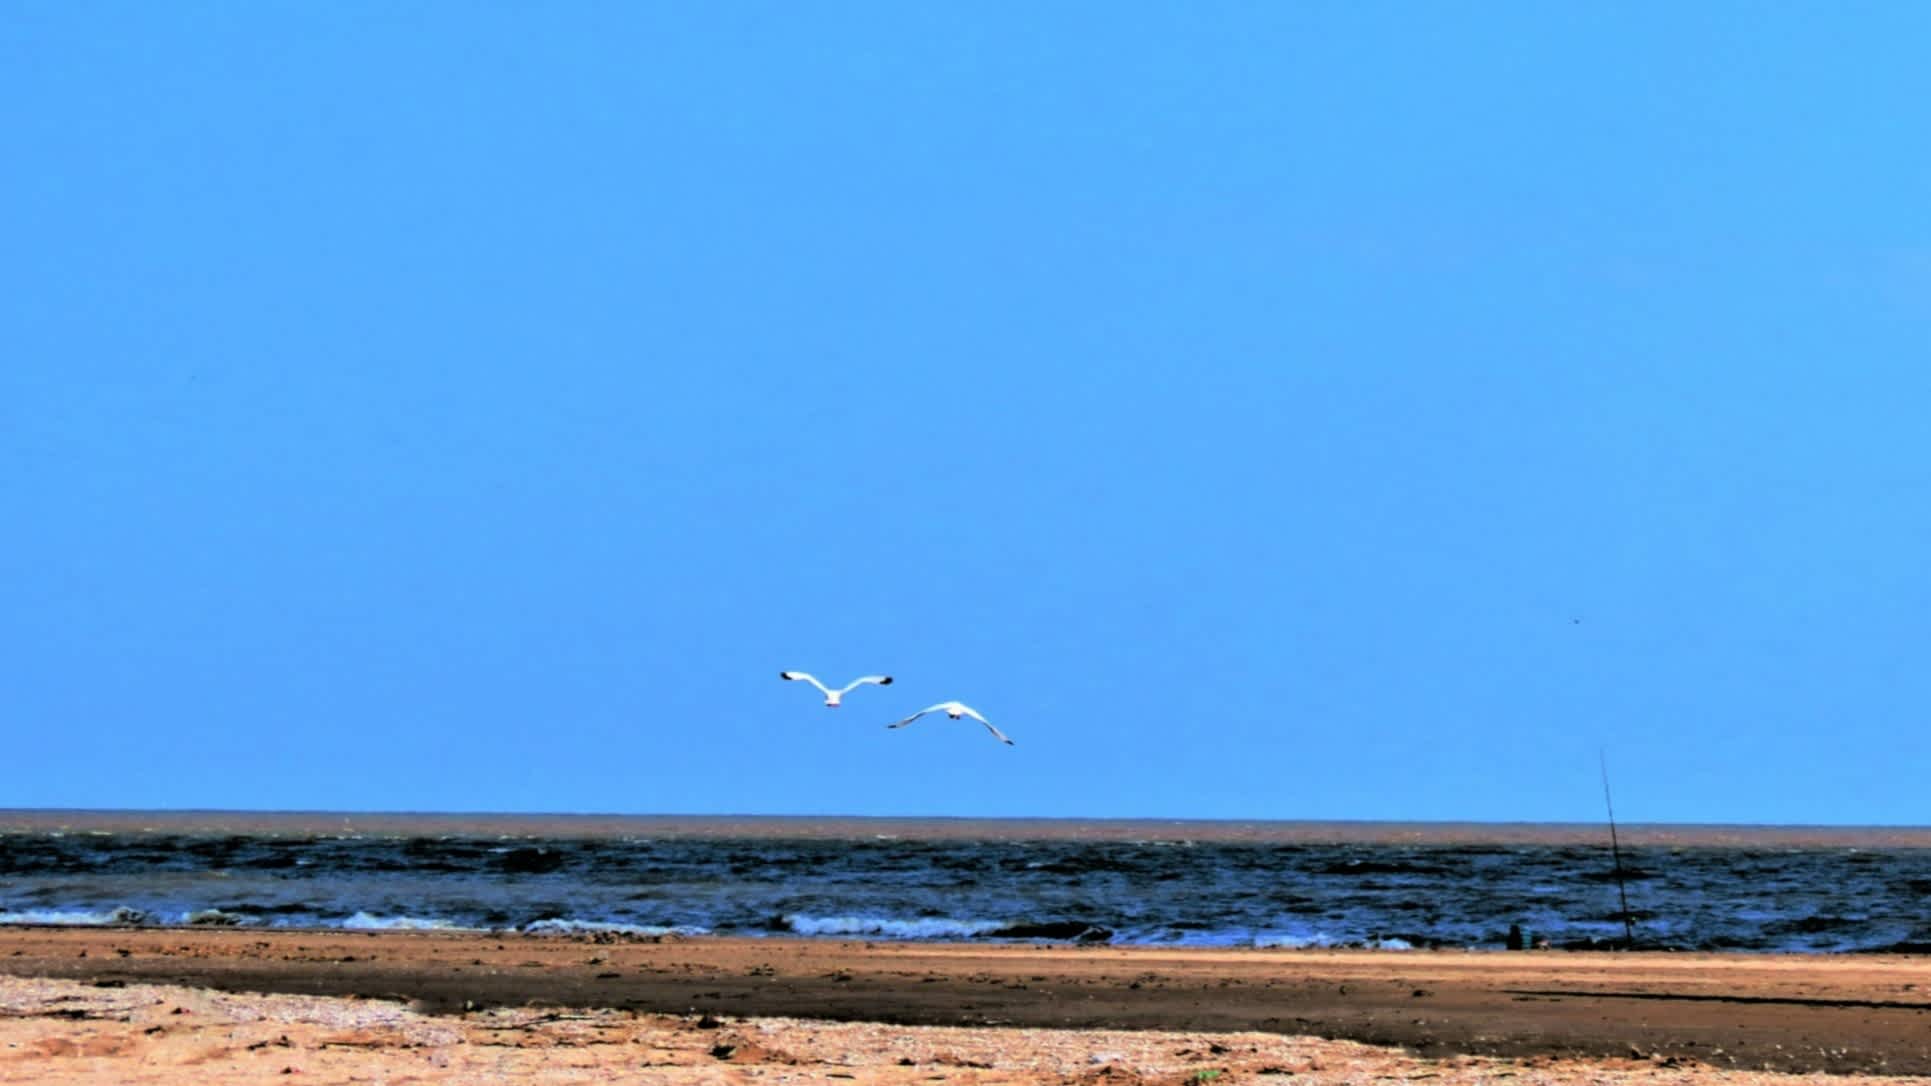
{"x":178,"y":812}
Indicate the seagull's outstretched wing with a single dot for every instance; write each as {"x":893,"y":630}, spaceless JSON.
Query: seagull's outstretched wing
{"x":996,"y":733}
{"x":808,"y":678}
{"x":874,"y":680}
{"x":917,"y":715}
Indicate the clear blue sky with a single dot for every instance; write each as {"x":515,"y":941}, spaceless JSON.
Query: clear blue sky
{"x":1258,"y":410}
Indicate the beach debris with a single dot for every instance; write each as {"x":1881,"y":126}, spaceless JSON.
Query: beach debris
{"x":834,"y":697}
{"x":955,"y":710}
{"x":740,"y":1050}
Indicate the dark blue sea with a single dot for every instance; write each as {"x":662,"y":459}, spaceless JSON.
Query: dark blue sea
{"x":1250,"y":884}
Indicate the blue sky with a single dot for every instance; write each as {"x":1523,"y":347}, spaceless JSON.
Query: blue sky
{"x":1257,"y":410}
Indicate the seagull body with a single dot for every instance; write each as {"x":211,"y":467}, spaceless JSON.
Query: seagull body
{"x":955,"y":710}
{"x":833,"y":697}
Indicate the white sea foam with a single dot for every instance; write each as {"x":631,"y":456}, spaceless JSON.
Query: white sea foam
{"x":1299,"y":940}
{"x":363,"y":921}
{"x":935,"y":927}
{"x":86,"y":917}
{"x":564,"y":926}
{"x":1295,"y":940}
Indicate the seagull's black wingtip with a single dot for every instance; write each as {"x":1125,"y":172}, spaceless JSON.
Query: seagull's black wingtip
{"x":886,"y":681}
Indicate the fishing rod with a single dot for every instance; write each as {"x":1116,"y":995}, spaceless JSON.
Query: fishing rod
{"x":1616,"y":850}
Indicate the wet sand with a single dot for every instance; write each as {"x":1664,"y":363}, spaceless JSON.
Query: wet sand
{"x":1537,"y":1012}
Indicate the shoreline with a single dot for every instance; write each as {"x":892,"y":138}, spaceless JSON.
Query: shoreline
{"x":1858,"y":1014}
{"x":991,"y":942}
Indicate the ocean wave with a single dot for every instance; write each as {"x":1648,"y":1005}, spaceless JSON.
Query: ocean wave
{"x":564,"y":926}
{"x":1280,"y":940}
{"x":363,"y":921}
{"x":1272,"y":939}
{"x":1353,"y":866}
{"x":936,"y":927}
{"x":122,"y":916}
{"x":1078,"y":931}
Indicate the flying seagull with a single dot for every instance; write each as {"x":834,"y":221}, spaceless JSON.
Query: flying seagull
{"x":833,"y":697}
{"x":955,"y":710}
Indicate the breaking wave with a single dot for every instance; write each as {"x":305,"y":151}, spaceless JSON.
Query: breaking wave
{"x":887,"y":927}
{"x":119,"y":917}
{"x":564,"y":926}
{"x":363,"y":921}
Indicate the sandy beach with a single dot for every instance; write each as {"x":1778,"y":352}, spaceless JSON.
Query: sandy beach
{"x":169,"y":1005}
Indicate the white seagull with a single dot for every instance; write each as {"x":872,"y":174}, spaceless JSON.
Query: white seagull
{"x":833,"y":697}
{"x":955,"y":710}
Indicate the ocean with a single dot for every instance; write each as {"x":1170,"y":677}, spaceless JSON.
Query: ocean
{"x":1240,"y":884}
